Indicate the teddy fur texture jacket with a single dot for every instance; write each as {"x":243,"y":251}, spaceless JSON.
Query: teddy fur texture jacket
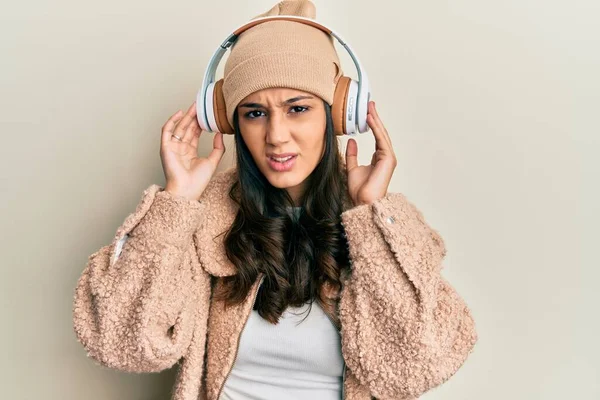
{"x":144,"y":304}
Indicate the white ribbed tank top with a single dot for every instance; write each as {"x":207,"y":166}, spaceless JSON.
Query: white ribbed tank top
{"x":295,"y":359}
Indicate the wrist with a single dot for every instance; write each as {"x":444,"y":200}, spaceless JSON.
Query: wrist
{"x":179,"y":193}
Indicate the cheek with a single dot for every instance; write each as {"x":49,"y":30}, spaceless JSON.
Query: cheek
{"x":314,"y":137}
{"x":253,"y":137}
{"x":312,"y":148}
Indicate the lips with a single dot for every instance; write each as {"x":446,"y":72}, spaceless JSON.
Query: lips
{"x":282,"y":162}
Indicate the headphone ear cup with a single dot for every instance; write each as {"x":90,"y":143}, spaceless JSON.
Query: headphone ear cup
{"x":338,"y":108}
{"x":220,"y":110}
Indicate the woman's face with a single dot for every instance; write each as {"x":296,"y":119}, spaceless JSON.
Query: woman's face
{"x":284,"y":129}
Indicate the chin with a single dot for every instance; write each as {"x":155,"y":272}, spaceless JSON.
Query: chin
{"x":284,"y":180}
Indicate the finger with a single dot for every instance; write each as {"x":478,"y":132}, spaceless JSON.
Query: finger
{"x":374,"y":159}
{"x":383,"y":172}
{"x":169,"y":126}
{"x":351,"y":154}
{"x":380,"y":142}
{"x":375,"y":115}
{"x":218,"y":149}
{"x":189,"y":116}
{"x":196,"y":138}
{"x":379,"y":129}
{"x":383,"y":144}
{"x":190,"y":132}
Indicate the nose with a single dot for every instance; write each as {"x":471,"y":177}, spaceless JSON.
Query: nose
{"x":278,"y":131}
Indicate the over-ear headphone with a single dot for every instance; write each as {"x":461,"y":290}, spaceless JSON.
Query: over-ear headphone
{"x":349,"y":108}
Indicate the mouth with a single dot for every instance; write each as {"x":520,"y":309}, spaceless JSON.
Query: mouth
{"x":282,"y":163}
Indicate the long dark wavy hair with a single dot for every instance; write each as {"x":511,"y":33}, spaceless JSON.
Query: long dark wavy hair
{"x":303,"y":253}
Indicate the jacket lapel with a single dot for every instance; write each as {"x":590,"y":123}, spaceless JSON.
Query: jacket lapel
{"x":219,"y":216}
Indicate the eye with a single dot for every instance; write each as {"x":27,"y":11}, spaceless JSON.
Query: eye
{"x":252,"y":114}
{"x":299,"y":109}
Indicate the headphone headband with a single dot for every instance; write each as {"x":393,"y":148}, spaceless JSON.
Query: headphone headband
{"x":210,"y":72}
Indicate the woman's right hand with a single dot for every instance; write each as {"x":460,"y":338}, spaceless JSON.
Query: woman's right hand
{"x":187,"y":175}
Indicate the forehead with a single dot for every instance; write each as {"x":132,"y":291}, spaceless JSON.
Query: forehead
{"x":275,"y":95}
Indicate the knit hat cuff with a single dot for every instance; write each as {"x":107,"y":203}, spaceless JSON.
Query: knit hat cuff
{"x":283,"y":69}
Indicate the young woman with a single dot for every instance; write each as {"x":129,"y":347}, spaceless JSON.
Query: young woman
{"x":294,"y":274}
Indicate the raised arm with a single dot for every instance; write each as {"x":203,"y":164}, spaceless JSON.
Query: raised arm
{"x":405,"y":329}
{"x":139,"y":299}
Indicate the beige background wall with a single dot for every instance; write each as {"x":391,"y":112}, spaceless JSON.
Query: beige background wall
{"x":493,"y":109}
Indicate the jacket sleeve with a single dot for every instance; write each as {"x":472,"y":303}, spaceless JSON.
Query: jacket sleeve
{"x":405,"y":329}
{"x":140,"y":298}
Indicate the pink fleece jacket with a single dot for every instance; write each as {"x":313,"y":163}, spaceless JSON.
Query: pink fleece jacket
{"x":404,"y":329}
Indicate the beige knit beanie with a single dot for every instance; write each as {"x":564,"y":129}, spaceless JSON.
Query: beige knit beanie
{"x":282,"y":54}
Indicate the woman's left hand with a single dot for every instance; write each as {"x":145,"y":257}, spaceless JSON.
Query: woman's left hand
{"x":367,"y":183}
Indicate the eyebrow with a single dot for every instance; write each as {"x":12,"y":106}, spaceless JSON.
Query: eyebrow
{"x":287,"y":102}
